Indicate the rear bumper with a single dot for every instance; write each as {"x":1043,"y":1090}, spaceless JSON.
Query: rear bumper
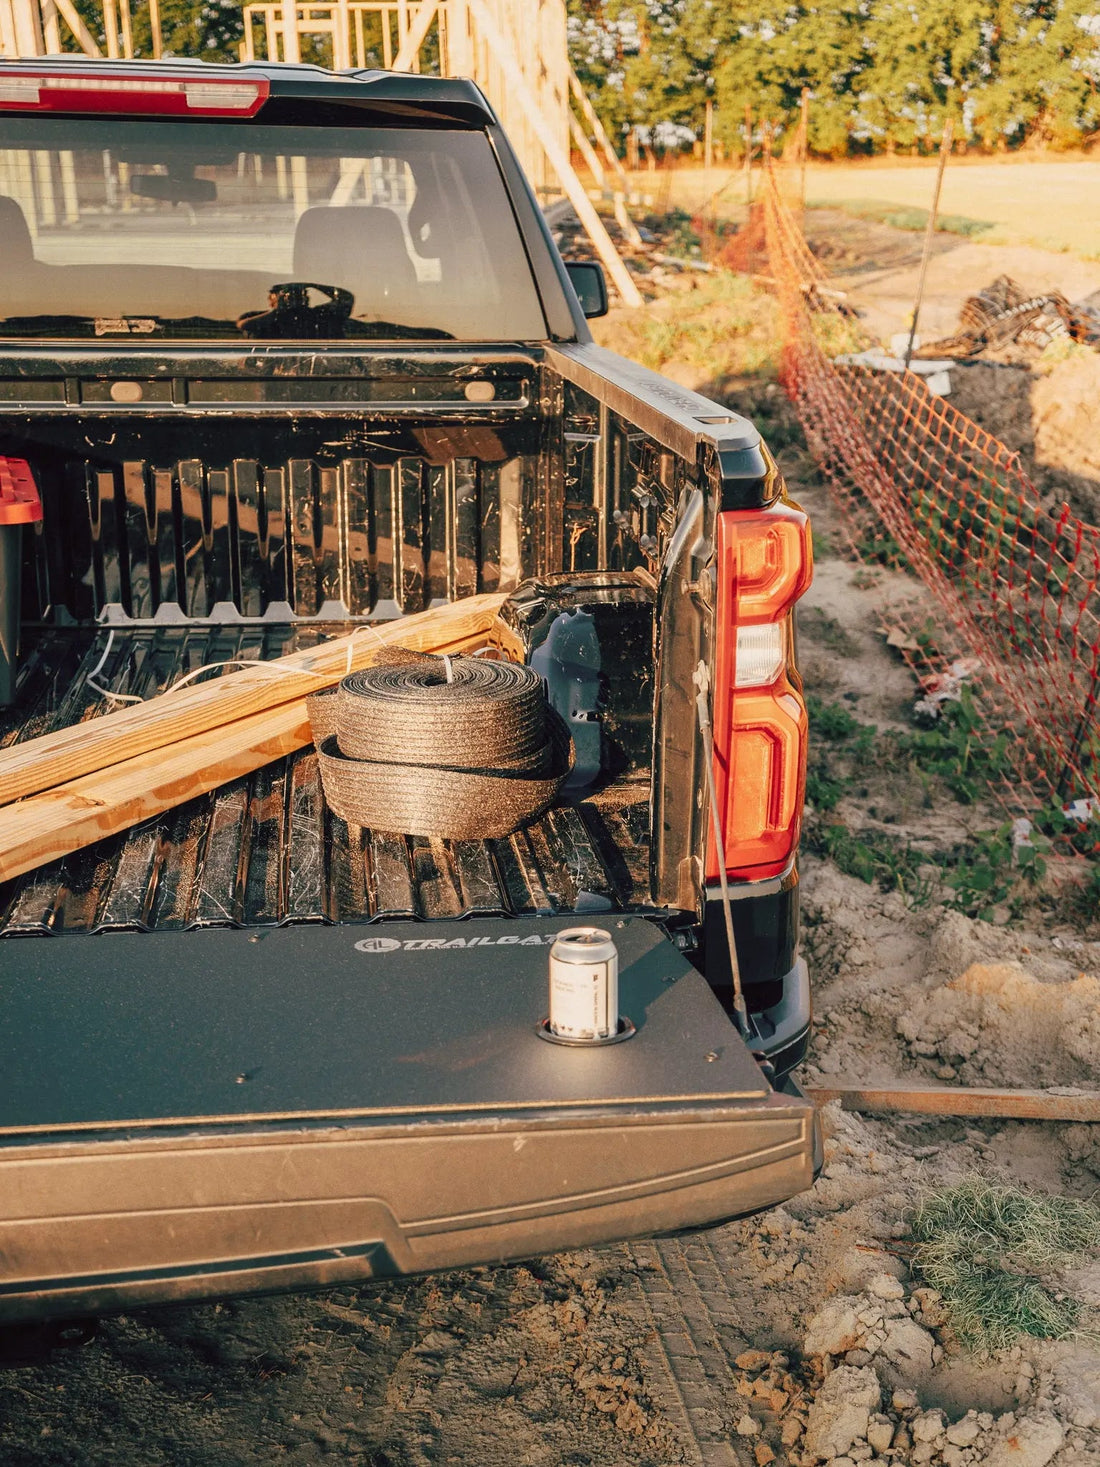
{"x":198,"y":1115}
{"x":119,"y":1224}
{"x":784,"y":1028}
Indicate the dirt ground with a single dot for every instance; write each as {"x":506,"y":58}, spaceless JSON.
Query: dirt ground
{"x":1044,"y":409}
{"x":796,"y":1337}
{"x":1052,"y":203}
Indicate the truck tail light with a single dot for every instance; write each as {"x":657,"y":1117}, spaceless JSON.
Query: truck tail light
{"x":54,"y":91}
{"x":20,"y":503}
{"x":765,"y":563}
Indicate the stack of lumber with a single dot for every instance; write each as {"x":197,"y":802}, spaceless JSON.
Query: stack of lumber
{"x":71,"y":788}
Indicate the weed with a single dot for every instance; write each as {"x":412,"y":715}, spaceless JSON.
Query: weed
{"x":991,"y":869}
{"x":866,"y":578}
{"x":906,"y":216}
{"x":1080,"y":900}
{"x":727,"y":327}
{"x":839,"y":742}
{"x":878,"y":546}
{"x":877,"y":858}
{"x":682,"y":238}
{"x":832,"y":721}
{"x":958,"y":749}
{"x":994,"y":1252}
{"x":825,"y":630}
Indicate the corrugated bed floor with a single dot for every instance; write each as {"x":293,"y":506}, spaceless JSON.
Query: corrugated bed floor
{"x":266,"y":850}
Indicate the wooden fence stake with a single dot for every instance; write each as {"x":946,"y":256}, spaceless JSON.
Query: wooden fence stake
{"x":943,"y":1100}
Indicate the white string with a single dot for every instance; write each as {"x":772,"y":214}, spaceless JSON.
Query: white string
{"x":256,"y":665}
{"x":99,"y":688}
{"x":450,"y":669}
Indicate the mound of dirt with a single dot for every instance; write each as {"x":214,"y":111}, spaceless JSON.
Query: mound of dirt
{"x":1064,"y":398}
{"x":1047,"y":415}
{"x":996,"y":1024}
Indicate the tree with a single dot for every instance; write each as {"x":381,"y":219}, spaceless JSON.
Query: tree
{"x":880,"y":73}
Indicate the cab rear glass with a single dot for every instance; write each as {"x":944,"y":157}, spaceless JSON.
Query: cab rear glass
{"x":189,"y":230}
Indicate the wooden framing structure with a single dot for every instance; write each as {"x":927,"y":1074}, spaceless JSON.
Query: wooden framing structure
{"x":516,"y":52}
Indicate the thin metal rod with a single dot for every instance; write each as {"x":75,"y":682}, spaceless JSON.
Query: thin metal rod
{"x":926,"y":252}
{"x":701,"y":680}
{"x":804,"y":136}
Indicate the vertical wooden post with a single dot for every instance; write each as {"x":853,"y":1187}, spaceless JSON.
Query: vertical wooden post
{"x":155,"y":31}
{"x":7,"y":30}
{"x":926,"y":252}
{"x":43,"y":177}
{"x":51,"y":29}
{"x":127,"y":30}
{"x":110,"y":27}
{"x":68,"y":187}
{"x":708,"y":136}
{"x":299,"y":184}
{"x":748,"y":155}
{"x":341,"y":36}
{"x":27,"y":27}
{"x":804,"y":139}
{"x":292,"y":48}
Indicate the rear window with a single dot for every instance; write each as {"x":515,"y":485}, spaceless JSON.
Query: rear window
{"x":197,"y":230}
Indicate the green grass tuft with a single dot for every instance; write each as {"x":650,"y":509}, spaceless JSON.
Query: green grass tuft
{"x":994,"y":1253}
{"x":905,"y":216}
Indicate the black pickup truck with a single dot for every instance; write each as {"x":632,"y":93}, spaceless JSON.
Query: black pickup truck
{"x":282,"y":351}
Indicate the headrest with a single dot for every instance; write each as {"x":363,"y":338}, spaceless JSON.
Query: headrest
{"x":16,"y":245}
{"x":359,"y":247}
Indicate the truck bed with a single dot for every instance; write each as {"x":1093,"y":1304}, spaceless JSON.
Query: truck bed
{"x":265,"y":851}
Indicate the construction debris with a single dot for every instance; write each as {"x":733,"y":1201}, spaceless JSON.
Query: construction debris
{"x":1004,"y":319}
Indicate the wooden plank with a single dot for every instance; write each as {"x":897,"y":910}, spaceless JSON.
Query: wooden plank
{"x":69,"y":816}
{"x":70,"y":753}
{"x":943,"y":1100}
{"x":61,"y":820}
{"x":591,"y":116}
{"x":415,"y":36}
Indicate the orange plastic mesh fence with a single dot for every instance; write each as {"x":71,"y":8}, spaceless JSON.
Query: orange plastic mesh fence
{"x":1001,"y":595}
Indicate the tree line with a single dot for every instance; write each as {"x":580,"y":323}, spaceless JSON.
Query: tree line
{"x":880,"y":75}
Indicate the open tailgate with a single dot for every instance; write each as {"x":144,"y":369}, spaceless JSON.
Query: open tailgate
{"x":194,"y":1114}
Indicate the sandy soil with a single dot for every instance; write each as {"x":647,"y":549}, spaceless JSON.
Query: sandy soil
{"x":1052,"y":203}
{"x":796,"y":1337}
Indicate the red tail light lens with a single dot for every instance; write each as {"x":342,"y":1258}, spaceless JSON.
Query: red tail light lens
{"x":20,"y":503}
{"x":184,"y":96}
{"x":765,"y":563}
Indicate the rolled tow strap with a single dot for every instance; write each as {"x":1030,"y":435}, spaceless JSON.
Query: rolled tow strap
{"x":458,"y":747}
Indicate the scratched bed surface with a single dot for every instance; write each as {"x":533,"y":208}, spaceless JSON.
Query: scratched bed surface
{"x":265,"y":850}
